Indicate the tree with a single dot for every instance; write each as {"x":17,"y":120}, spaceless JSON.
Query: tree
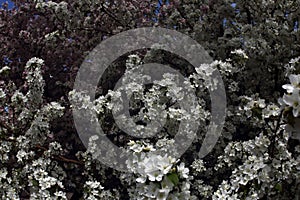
{"x":254,"y":46}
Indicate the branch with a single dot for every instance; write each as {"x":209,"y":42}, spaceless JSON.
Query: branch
{"x":273,"y":138}
{"x":60,"y":158}
{"x":113,"y":16}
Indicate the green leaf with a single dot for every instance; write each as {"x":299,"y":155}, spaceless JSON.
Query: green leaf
{"x":35,"y":183}
{"x":173,"y":178}
{"x":257,"y":112}
{"x":278,"y":187}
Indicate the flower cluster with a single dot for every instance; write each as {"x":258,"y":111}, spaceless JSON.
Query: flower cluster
{"x":251,"y":163}
{"x":292,"y":98}
{"x":57,"y":7}
{"x":30,"y":170}
{"x":158,"y":176}
{"x":254,"y":46}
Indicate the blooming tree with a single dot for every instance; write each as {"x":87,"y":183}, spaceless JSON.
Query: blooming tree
{"x":254,"y":45}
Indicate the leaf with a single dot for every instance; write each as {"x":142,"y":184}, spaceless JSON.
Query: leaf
{"x":278,"y":187}
{"x":173,"y":178}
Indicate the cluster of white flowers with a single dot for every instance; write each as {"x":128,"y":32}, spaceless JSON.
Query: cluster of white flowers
{"x":253,"y":106}
{"x":36,"y":83}
{"x":52,"y":36}
{"x":224,"y":192}
{"x":290,"y":68}
{"x":57,"y":7}
{"x":241,"y":53}
{"x":292,"y":98}
{"x":261,"y":169}
{"x":40,"y":174}
{"x":5,"y":148}
{"x":154,"y":167}
{"x":156,"y":101}
{"x":157,"y":176}
{"x":132,"y":61}
{"x":2,"y":94}
{"x":39,"y":129}
{"x":41,"y":180}
{"x":198,"y":166}
{"x":259,"y":165}
{"x":225,"y":68}
{"x":24,"y":155}
{"x":205,"y":73}
{"x":94,"y":191}
{"x":4,"y":69}
{"x":272,"y":110}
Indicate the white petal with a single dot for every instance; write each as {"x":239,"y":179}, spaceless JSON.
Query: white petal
{"x":289,"y":88}
{"x":141,"y":180}
{"x":288,"y":100}
{"x":295,"y":112}
{"x":294,"y":79}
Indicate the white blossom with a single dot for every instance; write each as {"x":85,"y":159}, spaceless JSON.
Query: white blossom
{"x":293,"y":100}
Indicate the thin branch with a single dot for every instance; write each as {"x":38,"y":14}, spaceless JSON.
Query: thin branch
{"x":60,"y":158}
{"x":113,"y":16}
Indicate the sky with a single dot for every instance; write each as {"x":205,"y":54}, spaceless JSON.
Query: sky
{"x":10,"y":3}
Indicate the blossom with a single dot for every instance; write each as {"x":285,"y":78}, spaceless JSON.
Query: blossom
{"x":240,"y":53}
{"x":3,"y":173}
{"x":4,"y":69}
{"x":162,"y":194}
{"x":293,"y":100}
{"x":34,"y":62}
{"x":155,"y":167}
{"x":198,"y":166}
{"x":93,"y":185}
{"x":253,"y":168}
{"x":182,"y":170}
{"x":23,"y":154}
{"x":2,"y":94}
{"x":270,"y":110}
{"x":132,"y":61}
{"x":295,"y":80}
{"x":151,"y":190}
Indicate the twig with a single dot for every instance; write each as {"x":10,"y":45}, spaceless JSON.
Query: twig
{"x":61,"y":158}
